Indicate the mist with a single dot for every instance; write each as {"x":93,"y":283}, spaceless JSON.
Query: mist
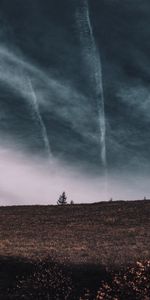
{"x":27,"y":180}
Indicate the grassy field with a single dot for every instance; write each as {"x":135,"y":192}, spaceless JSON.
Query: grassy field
{"x":88,"y":239}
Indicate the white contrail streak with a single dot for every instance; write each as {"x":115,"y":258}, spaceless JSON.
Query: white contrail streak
{"x":40,"y":120}
{"x":92,"y":57}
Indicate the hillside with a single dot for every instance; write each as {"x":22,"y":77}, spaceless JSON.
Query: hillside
{"x":114,"y":233}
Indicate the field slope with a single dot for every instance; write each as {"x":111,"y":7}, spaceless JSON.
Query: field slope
{"x":106,"y":234}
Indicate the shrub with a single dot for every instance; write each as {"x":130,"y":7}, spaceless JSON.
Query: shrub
{"x":132,"y":284}
{"x":46,"y":282}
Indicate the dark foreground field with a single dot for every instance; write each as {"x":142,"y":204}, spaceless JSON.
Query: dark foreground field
{"x":53,"y":252}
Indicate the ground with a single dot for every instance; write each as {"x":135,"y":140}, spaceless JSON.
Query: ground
{"x":87,"y":237}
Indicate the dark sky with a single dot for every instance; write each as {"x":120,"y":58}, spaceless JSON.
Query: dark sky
{"x":44,"y":58}
{"x":122,"y":32}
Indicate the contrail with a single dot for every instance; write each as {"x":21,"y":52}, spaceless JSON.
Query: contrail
{"x":40,"y":120}
{"x":92,"y":57}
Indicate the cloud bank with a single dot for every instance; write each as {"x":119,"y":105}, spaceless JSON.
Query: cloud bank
{"x":25,"y":181}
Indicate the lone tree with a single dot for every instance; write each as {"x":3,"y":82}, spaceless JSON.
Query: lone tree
{"x":62,"y":199}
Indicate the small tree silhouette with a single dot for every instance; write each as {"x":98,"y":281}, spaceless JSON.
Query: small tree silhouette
{"x":62,"y":199}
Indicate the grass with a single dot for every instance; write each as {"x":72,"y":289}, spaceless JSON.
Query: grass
{"x":86,"y":242}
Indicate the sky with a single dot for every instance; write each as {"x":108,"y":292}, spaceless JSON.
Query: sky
{"x":74,"y":100}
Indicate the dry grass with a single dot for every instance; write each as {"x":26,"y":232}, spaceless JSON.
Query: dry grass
{"x":108,"y":234}
{"x":53,"y":252}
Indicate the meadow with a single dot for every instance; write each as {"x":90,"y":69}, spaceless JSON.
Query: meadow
{"x":80,"y":251}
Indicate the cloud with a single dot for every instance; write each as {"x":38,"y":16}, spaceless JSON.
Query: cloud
{"x":63,"y":109}
{"x":46,"y":48}
{"x":55,"y":95}
{"x":137,"y":98}
{"x":26,"y":180}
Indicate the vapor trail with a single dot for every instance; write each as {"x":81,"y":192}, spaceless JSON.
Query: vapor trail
{"x":40,"y":120}
{"x":92,"y":57}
